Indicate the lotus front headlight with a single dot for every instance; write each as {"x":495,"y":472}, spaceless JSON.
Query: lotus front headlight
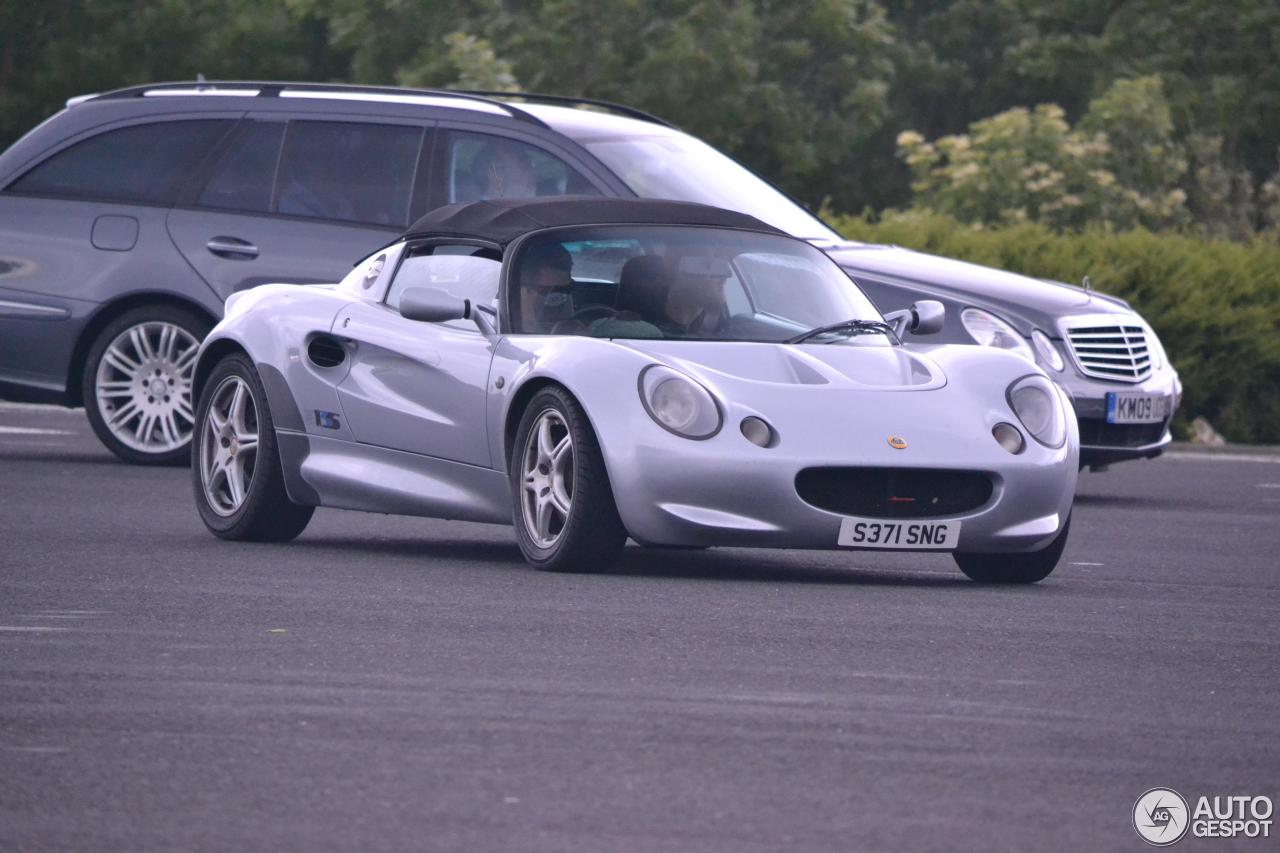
{"x":678,"y":404}
{"x":1035,"y":402}
{"x":990,"y":331}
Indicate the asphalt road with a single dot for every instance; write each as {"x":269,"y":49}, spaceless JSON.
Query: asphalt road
{"x":399,"y":684}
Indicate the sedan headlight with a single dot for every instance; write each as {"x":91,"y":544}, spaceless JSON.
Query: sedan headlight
{"x":1047,"y":351}
{"x":990,"y":331}
{"x":1158,"y":356}
{"x":1036,"y":404}
{"x":678,"y":404}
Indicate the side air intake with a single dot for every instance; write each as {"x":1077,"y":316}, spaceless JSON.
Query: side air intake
{"x":326,"y":352}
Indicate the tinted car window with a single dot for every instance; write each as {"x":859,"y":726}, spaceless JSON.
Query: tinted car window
{"x":468,"y":272}
{"x":243,"y":177}
{"x":143,"y":163}
{"x":349,"y":172}
{"x":480,"y":166}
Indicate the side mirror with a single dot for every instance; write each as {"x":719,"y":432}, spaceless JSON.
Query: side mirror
{"x":922,"y":318}
{"x":429,"y":305}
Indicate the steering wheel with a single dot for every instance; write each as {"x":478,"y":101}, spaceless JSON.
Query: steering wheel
{"x":582,"y":318}
{"x":591,"y":313}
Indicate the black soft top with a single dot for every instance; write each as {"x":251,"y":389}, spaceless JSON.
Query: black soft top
{"x":503,"y":220}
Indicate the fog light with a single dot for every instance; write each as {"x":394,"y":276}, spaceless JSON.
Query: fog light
{"x":757,"y":431}
{"x":1008,"y":437}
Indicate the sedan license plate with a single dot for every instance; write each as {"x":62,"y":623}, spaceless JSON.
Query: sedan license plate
{"x":906,"y":535}
{"x":1133,"y":408}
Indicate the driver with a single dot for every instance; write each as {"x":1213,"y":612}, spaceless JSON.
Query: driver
{"x":546,"y":288}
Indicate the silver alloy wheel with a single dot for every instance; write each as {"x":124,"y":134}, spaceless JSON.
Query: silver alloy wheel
{"x":546,"y":475}
{"x":143,"y":386}
{"x":229,"y":449}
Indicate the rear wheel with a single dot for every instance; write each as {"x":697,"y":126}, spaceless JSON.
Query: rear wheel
{"x":1015,"y":568}
{"x":236,"y":470}
{"x":137,"y":384}
{"x":565,"y":516}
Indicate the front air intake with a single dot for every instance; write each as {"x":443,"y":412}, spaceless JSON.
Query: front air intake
{"x":894,"y":492}
{"x":326,"y":352}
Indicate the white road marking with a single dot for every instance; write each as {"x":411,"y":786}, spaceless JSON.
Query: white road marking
{"x":4,"y":430}
{"x":1088,"y":564}
{"x":1269,"y":485}
{"x":1196,"y":456}
{"x":78,"y":612}
{"x":37,"y":407}
{"x":32,"y":628}
{"x":50,"y":750}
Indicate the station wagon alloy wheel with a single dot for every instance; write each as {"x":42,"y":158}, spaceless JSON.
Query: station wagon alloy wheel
{"x":229,"y":451}
{"x":142,"y":387}
{"x":547,"y":478}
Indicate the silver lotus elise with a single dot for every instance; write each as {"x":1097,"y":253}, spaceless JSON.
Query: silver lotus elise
{"x":591,"y":369}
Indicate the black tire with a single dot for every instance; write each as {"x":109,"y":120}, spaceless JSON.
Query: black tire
{"x":1027,"y":567}
{"x":178,"y":410}
{"x":591,"y":536}
{"x":265,"y":513}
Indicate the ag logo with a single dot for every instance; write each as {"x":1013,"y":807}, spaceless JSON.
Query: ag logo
{"x":1161,"y":817}
{"x":897,"y":442}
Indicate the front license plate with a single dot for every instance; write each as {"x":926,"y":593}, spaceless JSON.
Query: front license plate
{"x":1132,"y":408}
{"x":912,"y":535}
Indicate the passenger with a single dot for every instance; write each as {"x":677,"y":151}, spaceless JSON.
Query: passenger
{"x":696,"y":307}
{"x":546,"y":288}
{"x":509,"y":172}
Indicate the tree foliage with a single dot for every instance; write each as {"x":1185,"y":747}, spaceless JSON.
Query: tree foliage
{"x":1150,"y":98}
{"x":1121,"y":166}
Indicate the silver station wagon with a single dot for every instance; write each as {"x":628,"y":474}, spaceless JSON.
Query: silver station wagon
{"x":127,"y":219}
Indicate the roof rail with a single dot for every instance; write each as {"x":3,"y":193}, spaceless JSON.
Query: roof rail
{"x":273,"y":89}
{"x":569,"y":101}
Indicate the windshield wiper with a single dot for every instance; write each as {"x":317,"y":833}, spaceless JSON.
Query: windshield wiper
{"x":854,"y":326}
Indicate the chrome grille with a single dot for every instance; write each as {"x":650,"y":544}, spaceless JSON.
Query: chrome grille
{"x":1110,"y":350}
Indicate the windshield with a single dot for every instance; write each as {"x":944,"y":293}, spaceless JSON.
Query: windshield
{"x":685,"y":283}
{"x":682,"y":168}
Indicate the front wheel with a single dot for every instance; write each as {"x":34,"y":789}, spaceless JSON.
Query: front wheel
{"x":236,"y":467}
{"x":1026,"y":567}
{"x":565,"y":516}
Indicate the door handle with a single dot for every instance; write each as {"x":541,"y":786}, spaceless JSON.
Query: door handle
{"x":233,"y":248}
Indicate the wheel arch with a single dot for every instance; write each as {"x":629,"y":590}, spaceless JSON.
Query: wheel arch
{"x":104,"y":316}
{"x":214,"y":353}
{"x":515,"y":411}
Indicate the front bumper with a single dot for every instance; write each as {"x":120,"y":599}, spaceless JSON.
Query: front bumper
{"x":743,"y":495}
{"x":1102,"y":443}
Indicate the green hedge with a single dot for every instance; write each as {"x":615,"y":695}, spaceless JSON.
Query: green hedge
{"x":1214,"y":303}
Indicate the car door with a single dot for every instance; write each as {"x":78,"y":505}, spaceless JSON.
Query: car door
{"x":301,"y":200}
{"x":85,"y":226}
{"x":421,"y":387}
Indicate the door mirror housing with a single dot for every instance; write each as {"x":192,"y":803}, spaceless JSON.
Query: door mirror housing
{"x":429,"y":305}
{"x":922,"y":318}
